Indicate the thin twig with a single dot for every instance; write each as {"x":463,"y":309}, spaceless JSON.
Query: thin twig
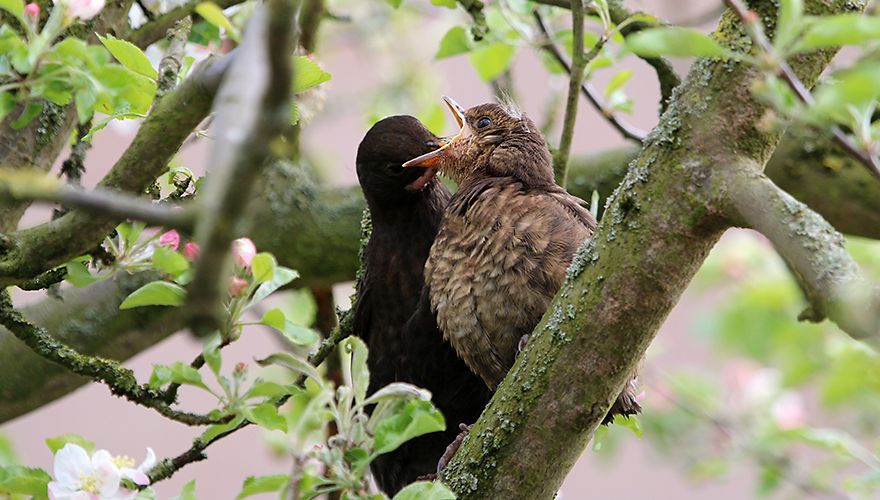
{"x":575,"y":81}
{"x":169,"y":395}
{"x":475,"y":9}
{"x":169,"y":66}
{"x":626,"y":130}
{"x":102,"y":203}
{"x":119,"y":379}
{"x":752,"y":22}
{"x":153,"y":31}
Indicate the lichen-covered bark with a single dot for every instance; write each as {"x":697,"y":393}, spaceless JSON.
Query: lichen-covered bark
{"x":659,"y":226}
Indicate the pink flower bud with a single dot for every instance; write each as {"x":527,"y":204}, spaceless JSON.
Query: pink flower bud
{"x":191,"y":251}
{"x":237,"y":286}
{"x":243,"y":250}
{"x":170,"y":239}
{"x":32,"y":10}
{"x":240,"y":368}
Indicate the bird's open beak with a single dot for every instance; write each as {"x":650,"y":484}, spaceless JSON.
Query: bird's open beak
{"x":431,"y":159}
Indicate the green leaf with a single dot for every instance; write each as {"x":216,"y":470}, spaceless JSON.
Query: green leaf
{"x":297,"y":334}
{"x":398,"y":390}
{"x":178,"y":373}
{"x":129,"y":55}
{"x":170,"y":262}
{"x":263,"y":266}
{"x":599,"y":437}
{"x":214,"y":15}
{"x":492,"y":60}
{"x":188,"y":492}
{"x":263,"y":484}
{"x":417,"y":417}
{"x":78,"y":274}
{"x":281,"y":277}
{"x":618,"y":81}
{"x":157,"y":293}
{"x":215,"y":430}
{"x":855,"y":87}
{"x":360,"y":374}
{"x":266,"y":416}
{"x":7,"y":102}
{"x":14,"y":7}
{"x":674,"y":41}
{"x":20,"y":480}
{"x":307,"y":74}
{"x":455,"y":41}
{"x":28,"y":113}
{"x":791,"y":13}
{"x":395,"y":3}
{"x":211,"y":353}
{"x":842,"y":29}
{"x":292,"y":363}
{"x":58,"y":442}
{"x":631,"y":422}
{"x":424,"y":490}
{"x":270,"y":390}
{"x":449,"y":4}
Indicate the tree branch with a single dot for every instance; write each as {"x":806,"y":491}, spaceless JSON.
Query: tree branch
{"x":475,"y":9}
{"x":579,"y":62}
{"x":34,"y":250}
{"x":753,"y":26}
{"x":670,"y":206}
{"x":252,"y":112}
{"x":833,"y":283}
{"x":102,"y":204}
{"x":153,"y":31}
{"x":625,"y":129}
{"x":119,"y":379}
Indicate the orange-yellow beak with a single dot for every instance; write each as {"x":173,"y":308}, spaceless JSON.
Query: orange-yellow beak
{"x":431,"y":159}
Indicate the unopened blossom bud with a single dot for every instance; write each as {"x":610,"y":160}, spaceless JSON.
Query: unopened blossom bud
{"x":240,"y":368}
{"x":243,"y":251}
{"x":32,"y":10}
{"x":237,"y":286}
{"x":170,"y":239}
{"x":82,"y":9}
{"x":191,"y":251}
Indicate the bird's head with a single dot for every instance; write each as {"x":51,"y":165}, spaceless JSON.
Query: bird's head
{"x":380,"y":156}
{"x":495,"y":140}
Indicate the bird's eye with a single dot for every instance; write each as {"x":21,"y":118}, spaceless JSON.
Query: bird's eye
{"x":484,"y":122}
{"x":394,"y":169}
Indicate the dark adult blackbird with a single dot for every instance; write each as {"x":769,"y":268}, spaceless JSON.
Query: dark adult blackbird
{"x":407,"y":207}
{"x":509,"y":235}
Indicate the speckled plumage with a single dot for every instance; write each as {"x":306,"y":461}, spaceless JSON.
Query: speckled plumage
{"x":403,"y":347}
{"x":508,"y":238}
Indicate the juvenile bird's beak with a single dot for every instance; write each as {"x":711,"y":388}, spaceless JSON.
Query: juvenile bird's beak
{"x":431,"y":159}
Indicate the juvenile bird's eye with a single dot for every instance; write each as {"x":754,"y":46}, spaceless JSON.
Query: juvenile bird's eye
{"x":394,"y":169}
{"x":484,"y":122}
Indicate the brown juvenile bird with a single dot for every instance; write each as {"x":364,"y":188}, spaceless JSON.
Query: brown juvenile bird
{"x":406,"y":208}
{"x":509,"y":235}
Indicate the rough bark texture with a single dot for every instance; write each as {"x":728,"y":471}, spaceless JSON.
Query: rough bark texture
{"x":659,"y":226}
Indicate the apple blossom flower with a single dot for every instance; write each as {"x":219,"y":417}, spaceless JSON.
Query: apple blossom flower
{"x":788,"y":411}
{"x":243,"y":251}
{"x":32,"y":10}
{"x":191,"y":251}
{"x":237,"y":286}
{"x":82,"y":9}
{"x":170,"y":239}
{"x":78,"y":476}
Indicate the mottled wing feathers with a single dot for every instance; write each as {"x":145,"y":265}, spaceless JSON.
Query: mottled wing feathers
{"x":499,"y":258}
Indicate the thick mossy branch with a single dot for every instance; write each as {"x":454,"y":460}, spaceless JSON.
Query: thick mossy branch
{"x":37,"y":249}
{"x":658,"y":228}
{"x":833,"y":283}
{"x":119,"y":379}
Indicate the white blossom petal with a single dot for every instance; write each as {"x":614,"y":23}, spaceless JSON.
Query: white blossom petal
{"x":71,"y":463}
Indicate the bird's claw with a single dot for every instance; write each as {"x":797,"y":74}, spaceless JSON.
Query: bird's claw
{"x":522,"y":343}
{"x":453,"y":447}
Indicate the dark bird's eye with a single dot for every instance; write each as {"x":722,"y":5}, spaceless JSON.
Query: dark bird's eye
{"x":394,"y":169}
{"x":484,"y":122}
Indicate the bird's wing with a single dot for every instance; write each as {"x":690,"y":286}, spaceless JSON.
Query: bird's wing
{"x":574,"y":205}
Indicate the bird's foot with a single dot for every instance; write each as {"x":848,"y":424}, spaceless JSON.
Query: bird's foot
{"x":522,"y":343}
{"x":453,"y":447}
